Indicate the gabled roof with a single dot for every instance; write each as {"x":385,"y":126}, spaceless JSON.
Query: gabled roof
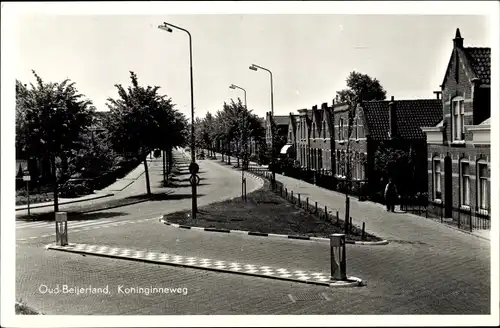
{"x":411,"y":115}
{"x":477,"y":60}
{"x":480,"y":60}
{"x":281,"y":119}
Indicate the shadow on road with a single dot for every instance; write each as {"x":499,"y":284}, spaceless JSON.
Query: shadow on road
{"x":186,"y":185}
{"x":72,"y":216}
{"x":159,"y":197}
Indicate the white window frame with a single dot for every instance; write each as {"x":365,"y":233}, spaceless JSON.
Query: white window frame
{"x":464,"y":184}
{"x":341,"y":129}
{"x":436,"y":179}
{"x":457,"y":116}
{"x":356,"y":136}
{"x":483,"y":188}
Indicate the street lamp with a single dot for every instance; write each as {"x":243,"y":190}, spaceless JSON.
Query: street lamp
{"x":193,"y":168}
{"x":255,"y":67}
{"x":233,"y":86}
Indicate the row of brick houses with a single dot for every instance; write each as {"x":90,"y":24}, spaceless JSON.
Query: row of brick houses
{"x":449,"y":134}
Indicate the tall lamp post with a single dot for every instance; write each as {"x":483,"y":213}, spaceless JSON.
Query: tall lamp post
{"x":255,"y":67}
{"x":233,"y":86}
{"x":193,"y":167}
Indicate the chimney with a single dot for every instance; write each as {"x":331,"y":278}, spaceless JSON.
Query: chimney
{"x":392,"y":119}
{"x":438,"y":94}
{"x":324,"y":106}
{"x":315,"y":107}
{"x":458,"y":41}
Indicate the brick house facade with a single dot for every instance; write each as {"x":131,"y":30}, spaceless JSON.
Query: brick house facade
{"x":396,"y":124}
{"x":458,"y":148}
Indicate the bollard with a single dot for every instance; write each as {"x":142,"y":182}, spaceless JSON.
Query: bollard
{"x":61,"y":228}
{"x":337,"y":257}
{"x":307,"y":204}
{"x":316,"y":207}
{"x":363,"y":232}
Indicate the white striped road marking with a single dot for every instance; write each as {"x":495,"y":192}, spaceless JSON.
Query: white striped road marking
{"x":234,"y":267}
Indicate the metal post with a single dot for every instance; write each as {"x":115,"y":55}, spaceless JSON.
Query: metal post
{"x":291,"y":197}
{"x":338,"y":257}
{"x":28,"y":191}
{"x":326,"y":213}
{"x":307,"y":203}
{"x":61,"y":219}
{"x":363,"y":232}
{"x":300,"y":204}
{"x":193,"y":157}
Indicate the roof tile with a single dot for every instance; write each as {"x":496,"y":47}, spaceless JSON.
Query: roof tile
{"x":411,"y":115}
{"x":480,"y":60}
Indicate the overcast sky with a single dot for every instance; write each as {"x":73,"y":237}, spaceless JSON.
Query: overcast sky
{"x":310,"y":55}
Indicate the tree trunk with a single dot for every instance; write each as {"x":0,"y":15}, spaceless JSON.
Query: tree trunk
{"x":164,"y":164}
{"x":148,"y":186}
{"x":55,"y":186}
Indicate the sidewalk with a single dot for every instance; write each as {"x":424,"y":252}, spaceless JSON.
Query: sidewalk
{"x":398,"y":226}
{"x":132,"y":185}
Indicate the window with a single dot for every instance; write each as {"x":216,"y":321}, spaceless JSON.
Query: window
{"x":341,"y":129}
{"x":458,"y":118}
{"x":483,"y":186}
{"x":356,"y":128}
{"x":437,"y":179}
{"x":464,"y":184}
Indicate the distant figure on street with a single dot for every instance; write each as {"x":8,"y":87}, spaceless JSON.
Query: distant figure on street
{"x":391,"y":195}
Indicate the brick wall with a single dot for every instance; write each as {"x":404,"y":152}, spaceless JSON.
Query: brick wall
{"x":457,"y":87}
{"x":469,"y":153}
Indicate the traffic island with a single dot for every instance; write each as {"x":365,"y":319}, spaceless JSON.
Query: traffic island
{"x":158,"y":257}
{"x":265,"y":213}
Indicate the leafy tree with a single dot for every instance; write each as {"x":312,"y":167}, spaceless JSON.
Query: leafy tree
{"x":396,"y":163}
{"x":361,"y":87}
{"x":52,"y":120}
{"x":142,"y":120}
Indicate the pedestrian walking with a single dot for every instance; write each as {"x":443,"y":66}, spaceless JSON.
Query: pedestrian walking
{"x":390,"y":194}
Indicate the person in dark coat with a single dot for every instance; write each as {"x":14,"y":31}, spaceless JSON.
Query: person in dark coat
{"x":390,"y":194}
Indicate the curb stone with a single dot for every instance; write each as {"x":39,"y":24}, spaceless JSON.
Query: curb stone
{"x":264,"y":234}
{"x":143,"y":256}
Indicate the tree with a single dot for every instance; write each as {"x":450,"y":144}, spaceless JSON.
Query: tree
{"x":142,"y":120}
{"x":398,"y":164}
{"x":51,"y":122}
{"x":360,"y":87}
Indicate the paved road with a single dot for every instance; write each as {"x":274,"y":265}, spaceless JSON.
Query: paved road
{"x":447,"y":276}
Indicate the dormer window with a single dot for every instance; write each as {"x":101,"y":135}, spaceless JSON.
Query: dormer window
{"x":457,"y":111}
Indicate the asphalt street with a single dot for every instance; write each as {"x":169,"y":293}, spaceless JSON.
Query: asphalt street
{"x":415,"y":274}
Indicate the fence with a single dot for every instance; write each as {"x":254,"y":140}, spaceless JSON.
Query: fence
{"x":312,"y":207}
{"x":466,"y":218}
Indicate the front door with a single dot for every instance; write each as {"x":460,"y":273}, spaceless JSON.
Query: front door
{"x":448,"y":186}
